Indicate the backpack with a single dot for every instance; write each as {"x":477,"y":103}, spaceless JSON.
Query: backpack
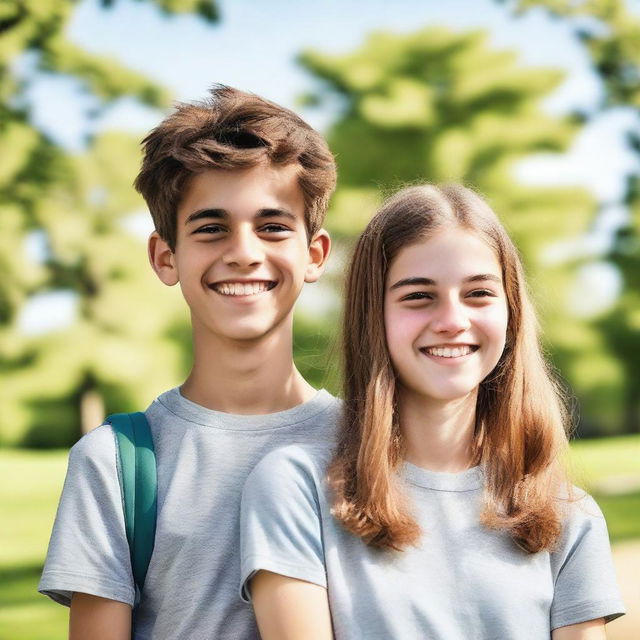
{"x":138,"y":486}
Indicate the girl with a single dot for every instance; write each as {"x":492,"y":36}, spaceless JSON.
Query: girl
{"x":443,"y":512}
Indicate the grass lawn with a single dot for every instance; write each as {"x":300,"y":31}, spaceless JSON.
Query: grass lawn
{"x":30,"y":484}
{"x":609,"y":469}
{"x":601,"y":458}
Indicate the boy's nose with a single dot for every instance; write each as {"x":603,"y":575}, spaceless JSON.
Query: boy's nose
{"x":450,"y":317}
{"x":244,"y":249}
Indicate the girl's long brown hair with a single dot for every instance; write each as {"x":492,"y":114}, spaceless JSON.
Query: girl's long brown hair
{"x":521,"y":421}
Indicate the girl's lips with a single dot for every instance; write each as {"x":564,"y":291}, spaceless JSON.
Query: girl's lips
{"x":450,"y":356}
{"x":450,"y":350}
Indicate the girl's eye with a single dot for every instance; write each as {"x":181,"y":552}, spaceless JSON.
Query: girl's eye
{"x":481,"y":293}
{"x":418,"y":295}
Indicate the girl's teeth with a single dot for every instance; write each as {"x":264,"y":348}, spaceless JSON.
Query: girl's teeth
{"x":449,"y":352}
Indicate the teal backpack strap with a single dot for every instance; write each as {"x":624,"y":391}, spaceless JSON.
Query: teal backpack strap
{"x":139,"y":487}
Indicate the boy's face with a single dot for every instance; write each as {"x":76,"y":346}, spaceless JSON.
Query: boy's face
{"x":242,"y":252}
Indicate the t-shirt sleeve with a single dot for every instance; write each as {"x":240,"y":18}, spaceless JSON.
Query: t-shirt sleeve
{"x":280,"y":522}
{"x":585,"y":580}
{"x":88,"y":551}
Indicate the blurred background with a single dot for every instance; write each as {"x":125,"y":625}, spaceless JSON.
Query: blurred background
{"x":534,"y":103}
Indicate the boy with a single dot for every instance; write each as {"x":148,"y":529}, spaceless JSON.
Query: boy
{"x":238,"y":188}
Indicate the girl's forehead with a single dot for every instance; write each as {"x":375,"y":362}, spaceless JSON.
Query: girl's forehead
{"x":448,"y":253}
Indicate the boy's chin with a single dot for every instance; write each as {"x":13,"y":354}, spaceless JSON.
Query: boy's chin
{"x":240,"y":329}
{"x":246,"y":333}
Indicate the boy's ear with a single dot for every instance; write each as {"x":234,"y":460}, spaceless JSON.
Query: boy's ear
{"x":319,"y":249}
{"x":162,"y":259}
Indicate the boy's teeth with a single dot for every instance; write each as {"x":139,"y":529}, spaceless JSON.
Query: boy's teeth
{"x":449,"y":352}
{"x":241,"y":288}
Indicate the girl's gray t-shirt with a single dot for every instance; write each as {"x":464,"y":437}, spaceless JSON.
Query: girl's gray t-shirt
{"x":203,"y":459}
{"x":461,"y":581}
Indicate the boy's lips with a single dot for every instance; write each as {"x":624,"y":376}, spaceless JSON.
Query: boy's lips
{"x":242,"y":287}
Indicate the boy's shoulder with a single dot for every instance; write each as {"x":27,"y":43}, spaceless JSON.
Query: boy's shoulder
{"x":95,"y":448}
{"x":98,"y":446}
{"x":323,"y":408}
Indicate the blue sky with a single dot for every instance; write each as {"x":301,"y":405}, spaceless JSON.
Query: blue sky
{"x":255,"y":45}
{"x":254,"y":48}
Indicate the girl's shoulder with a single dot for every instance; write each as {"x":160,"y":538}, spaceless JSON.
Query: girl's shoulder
{"x":293,"y":465}
{"x":578,"y":506}
{"x":583,"y":525}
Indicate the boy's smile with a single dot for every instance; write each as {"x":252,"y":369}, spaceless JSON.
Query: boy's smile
{"x":242,"y":252}
{"x":243,"y":288}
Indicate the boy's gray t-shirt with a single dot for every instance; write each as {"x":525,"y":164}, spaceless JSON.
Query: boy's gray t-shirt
{"x":461,"y":581}
{"x":203,"y":459}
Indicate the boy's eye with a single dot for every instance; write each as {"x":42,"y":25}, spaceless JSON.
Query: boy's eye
{"x":274,"y":228}
{"x":210,"y":228}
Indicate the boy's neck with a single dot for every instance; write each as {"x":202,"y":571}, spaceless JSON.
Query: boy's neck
{"x":249,"y":378}
{"x":439,"y":436}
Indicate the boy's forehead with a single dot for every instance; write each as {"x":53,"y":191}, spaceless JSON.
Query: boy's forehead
{"x":244,"y":191}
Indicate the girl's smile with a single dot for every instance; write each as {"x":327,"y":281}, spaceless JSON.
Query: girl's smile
{"x":453,"y":352}
{"x":445,"y":314}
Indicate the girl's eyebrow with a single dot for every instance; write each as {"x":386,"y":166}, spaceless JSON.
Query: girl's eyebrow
{"x":428,"y":282}
{"x":413,"y":281}
{"x":484,"y":276}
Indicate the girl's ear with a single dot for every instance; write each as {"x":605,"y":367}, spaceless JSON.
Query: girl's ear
{"x":162,"y":259}
{"x":319,"y":249}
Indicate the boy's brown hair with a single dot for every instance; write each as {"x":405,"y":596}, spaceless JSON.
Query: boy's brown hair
{"x":230,"y":130}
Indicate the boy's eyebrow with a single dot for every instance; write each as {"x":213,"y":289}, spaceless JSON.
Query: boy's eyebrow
{"x":203,"y":214}
{"x":222,"y":214}
{"x":276,"y":213}
{"x":428,"y":282}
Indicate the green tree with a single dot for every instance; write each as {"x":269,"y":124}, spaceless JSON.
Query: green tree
{"x":610,"y":33}
{"x":123,"y":345}
{"x":442,"y":106}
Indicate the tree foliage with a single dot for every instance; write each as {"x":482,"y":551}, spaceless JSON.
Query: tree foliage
{"x":441,"y":106}
{"x":122,"y":347}
{"x":610,"y":32}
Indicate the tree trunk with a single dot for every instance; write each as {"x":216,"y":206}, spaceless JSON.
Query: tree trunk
{"x":91,"y":410}
{"x":632,"y":411}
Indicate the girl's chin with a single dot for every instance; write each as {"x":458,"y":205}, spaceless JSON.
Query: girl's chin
{"x":439,"y":396}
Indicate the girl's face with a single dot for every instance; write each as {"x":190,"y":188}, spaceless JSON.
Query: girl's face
{"x":445,"y":315}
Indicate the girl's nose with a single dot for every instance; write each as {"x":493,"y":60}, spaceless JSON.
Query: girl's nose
{"x":450,"y":317}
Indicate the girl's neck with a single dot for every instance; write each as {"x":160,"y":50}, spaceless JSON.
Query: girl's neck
{"x":438,"y":435}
